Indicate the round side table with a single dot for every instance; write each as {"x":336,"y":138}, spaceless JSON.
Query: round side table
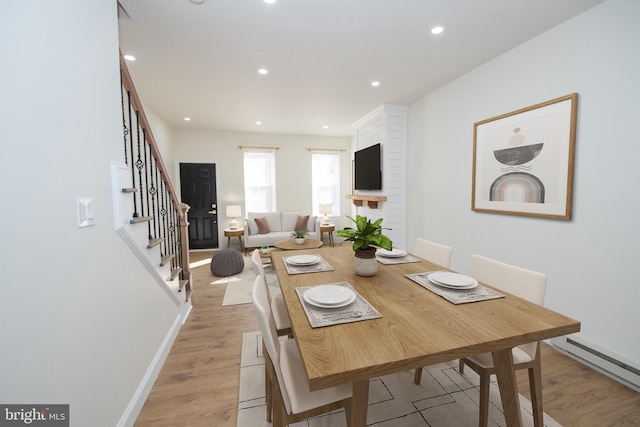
{"x":328,"y":228}
{"x":235,"y":232}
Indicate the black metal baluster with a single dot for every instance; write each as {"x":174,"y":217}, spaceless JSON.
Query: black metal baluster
{"x":139,"y":165}
{"x":133,"y":174}
{"x":124,"y":119}
{"x":147,"y":147}
{"x":172,"y":218}
{"x":154,"y":195}
{"x":163,"y":212}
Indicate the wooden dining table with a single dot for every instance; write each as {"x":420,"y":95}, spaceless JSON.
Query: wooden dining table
{"x":417,"y":328}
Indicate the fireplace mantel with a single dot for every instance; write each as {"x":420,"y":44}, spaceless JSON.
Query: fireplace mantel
{"x":372,"y":201}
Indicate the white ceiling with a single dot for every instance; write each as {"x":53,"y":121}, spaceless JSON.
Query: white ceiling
{"x":201,"y":61}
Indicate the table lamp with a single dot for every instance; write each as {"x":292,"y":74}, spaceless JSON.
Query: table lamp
{"x":325,"y":208}
{"x":233,"y":212}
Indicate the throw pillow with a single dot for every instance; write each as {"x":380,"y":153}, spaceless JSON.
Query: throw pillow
{"x":263,"y":226}
{"x":301,"y":222}
{"x":253,"y":227}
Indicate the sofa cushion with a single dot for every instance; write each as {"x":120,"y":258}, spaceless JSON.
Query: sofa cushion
{"x":301,"y":222}
{"x":257,"y":240}
{"x":253,"y":227}
{"x":311,"y":225}
{"x":289,"y":220}
{"x":273,"y":218}
{"x":263,"y":225}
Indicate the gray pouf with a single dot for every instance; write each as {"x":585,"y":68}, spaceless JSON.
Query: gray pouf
{"x":227,"y":262}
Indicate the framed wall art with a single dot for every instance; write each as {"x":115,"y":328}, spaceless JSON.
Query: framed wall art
{"x":523,"y":160}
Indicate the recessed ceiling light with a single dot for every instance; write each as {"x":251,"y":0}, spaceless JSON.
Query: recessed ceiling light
{"x":196,"y":1}
{"x":375,"y":83}
{"x":258,"y":122}
{"x":269,"y":1}
{"x":130,"y":57}
{"x":325,"y":127}
{"x":187,"y":119}
{"x":263,"y":71}
{"x":437,"y":30}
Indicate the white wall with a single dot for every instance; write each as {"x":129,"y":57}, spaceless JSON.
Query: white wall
{"x":163,"y":135}
{"x":591,"y":259}
{"x":293,"y":166}
{"x":80,"y":317}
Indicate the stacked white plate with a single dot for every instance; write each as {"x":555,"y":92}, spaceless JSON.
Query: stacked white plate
{"x":329,"y":296}
{"x":393,"y":253}
{"x":303,"y":259}
{"x":452,"y":280}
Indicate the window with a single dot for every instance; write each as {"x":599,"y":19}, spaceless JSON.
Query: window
{"x":259,"y":180}
{"x":325,"y":180}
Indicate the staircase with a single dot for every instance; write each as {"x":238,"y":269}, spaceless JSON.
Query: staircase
{"x":148,"y":215}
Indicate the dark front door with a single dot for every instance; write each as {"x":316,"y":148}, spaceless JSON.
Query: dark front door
{"x":198,"y":189}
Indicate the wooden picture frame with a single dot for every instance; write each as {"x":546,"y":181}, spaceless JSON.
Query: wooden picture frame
{"x":523,"y":161}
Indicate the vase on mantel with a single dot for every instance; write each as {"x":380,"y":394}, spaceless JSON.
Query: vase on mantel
{"x":364,"y":262}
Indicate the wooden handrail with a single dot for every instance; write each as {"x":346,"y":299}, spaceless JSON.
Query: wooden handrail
{"x":181,"y":209}
{"x":127,"y":82}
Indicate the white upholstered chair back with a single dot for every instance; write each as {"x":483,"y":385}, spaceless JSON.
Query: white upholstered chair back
{"x":258,"y":268}
{"x":269,"y":335}
{"x":523,"y":283}
{"x":434,"y":252}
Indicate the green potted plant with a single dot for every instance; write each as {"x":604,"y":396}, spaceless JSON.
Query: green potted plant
{"x":299,"y":235}
{"x":366,"y":237}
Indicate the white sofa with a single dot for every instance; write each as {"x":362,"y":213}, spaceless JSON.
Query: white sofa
{"x":281,"y":225}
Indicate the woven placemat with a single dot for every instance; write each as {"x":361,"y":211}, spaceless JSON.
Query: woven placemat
{"x":317,"y":315}
{"x":319,"y":266}
{"x":456,"y":296}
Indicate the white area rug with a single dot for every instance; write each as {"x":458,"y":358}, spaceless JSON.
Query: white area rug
{"x":443,"y":399}
{"x":239,"y":286}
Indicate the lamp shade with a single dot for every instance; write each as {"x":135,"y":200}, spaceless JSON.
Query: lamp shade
{"x":233,"y":211}
{"x":325,"y":208}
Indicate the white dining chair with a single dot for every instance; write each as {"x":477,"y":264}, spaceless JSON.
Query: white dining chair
{"x":291,"y":400}
{"x":526,"y":284}
{"x":438,"y":254}
{"x":434,"y":252}
{"x":276,"y":303}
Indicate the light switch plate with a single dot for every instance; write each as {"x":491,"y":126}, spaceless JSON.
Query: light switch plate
{"x":85,"y":212}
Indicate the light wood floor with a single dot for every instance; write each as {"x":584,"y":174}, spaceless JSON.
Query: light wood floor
{"x":198,"y":384}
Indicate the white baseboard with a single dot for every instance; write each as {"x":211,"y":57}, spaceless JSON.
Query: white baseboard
{"x":612,"y":365}
{"x":130,"y":415}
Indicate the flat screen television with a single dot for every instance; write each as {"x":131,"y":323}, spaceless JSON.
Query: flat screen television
{"x":368,"y":173}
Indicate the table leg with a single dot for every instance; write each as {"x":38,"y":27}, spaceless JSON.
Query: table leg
{"x":360,"y":404}
{"x":228,"y":242}
{"x":241,"y":248}
{"x":503,"y":362}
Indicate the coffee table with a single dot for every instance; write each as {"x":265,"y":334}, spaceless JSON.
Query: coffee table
{"x":290,"y":244}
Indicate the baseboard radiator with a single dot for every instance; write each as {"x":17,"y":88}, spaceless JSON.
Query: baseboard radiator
{"x":616,"y":367}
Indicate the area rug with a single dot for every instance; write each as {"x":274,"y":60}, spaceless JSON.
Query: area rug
{"x":240,"y":285}
{"x":445,"y":398}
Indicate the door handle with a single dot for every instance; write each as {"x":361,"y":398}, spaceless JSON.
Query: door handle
{"x":213,"y":212}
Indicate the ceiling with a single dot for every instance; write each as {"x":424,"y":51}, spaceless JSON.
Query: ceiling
{"x":201,"y":60}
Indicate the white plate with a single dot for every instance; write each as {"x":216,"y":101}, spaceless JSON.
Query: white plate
{"x":452,"y":280}
{"x":329,"y":294}
{"x":303,"y":259}
{"x":393,"y":253}
{"x":317,"y":304}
